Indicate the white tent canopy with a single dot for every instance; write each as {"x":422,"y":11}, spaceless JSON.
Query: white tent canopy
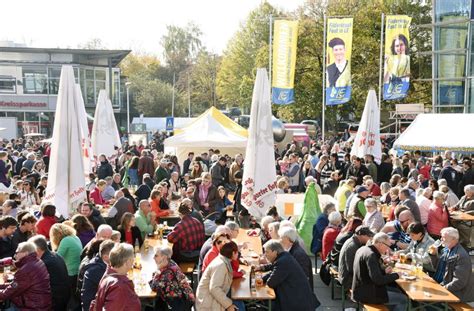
{"x":213,"y":130}
{"x":439,"y":132}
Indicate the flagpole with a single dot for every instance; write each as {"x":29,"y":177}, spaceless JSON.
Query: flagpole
{"x":381,"y":62}
{"x":270,"y":38}
{"x":324,"y":81}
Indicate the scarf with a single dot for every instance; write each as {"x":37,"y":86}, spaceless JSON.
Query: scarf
{"x":203,"y":193}
{"x":443,"y":260}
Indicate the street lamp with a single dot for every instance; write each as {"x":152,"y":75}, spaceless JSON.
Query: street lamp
{"x":127,"y":86}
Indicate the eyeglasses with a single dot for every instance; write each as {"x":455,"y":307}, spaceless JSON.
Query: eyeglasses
{"x":219,"y":242}
{"x":388,"y":245}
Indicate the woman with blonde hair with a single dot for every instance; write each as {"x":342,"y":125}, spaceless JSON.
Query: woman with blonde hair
{"x":67,"y":245}
{"x":205,"y":195}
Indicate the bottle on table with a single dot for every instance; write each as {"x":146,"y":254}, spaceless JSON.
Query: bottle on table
{"x":253,"y":287}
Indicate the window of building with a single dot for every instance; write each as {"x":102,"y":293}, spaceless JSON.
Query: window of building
{"x":116,"y":89}
{"x":35,"y":80}
{"x":7,"y":84}
{"x":452,"y":9}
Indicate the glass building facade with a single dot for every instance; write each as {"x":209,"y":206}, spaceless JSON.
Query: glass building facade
{"x":453,"y":67}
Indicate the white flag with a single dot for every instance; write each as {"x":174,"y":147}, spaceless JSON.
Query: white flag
{"x":367,"y":140}
{"x":259,"y":178}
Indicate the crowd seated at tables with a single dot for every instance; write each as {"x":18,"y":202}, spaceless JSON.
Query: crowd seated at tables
{"x":398,"y":206}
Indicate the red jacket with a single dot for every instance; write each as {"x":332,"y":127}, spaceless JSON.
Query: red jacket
{"x":329,"y":236}
{"x":212,"y":254}
{"x":30,"y":288}
{"x":115,"y":293}
{"x":44,"y":224}
{"x":438,"y":218}
{"x":96,"y":197}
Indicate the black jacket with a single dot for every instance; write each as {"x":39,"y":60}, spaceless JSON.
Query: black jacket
{"x":96,"y":219}
{"x":58,"y":279}
{"x":136,"y":236}
{"x":384,"y":173}
{"x":303,"y":259}
{"x":369,"y":280}
{"x":291,"y":286}
{"x":104,"y":170}
{"x":94,"y":271}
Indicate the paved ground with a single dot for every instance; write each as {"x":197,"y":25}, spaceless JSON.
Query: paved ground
{"x":323,"y":293}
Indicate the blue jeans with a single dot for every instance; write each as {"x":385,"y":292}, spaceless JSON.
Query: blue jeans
{"x":397,"y":301}
{"x":133,"y":174}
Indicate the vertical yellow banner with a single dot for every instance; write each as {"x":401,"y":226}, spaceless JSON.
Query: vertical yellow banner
{"x":285,"y":40}
{"x":338,"y":61}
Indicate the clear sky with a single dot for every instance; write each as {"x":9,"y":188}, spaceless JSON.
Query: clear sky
{"x":120,"y":24}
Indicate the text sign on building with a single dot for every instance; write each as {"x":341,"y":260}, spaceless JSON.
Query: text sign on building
{"x":169,"y":123}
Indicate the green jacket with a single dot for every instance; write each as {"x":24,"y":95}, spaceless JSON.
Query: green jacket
{"x":143,"y":223}
{"x":161,"y":174}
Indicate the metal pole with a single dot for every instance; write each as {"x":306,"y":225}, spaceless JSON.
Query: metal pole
{"x":127,"y":86}
{"x":270,"y":38}
{"x":467,"y":68}
{"x":172,"y":99}
{"x":39,"y":122}
{"x":323,"y":128}
{"x":189,"y":99}
{"x":433,"y":60}
{"x":381,"y":62}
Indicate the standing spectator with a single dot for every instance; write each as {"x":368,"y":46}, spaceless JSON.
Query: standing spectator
{"x":318,"y":229}
{"x":424,"y":202}
{"x":187,"y":237}
{"x":57,"y":270}
{"x":145,"y":166}
{"x":92,"y":214}
{"x":385,"y":169}
{"x":30,"y":289}
{"x":205,"y":195}
{"x":133,"y":171}
{"x":235,"y":167}
{"x":46,"y":220}
{"x":451,"y":176}
{"x":288,"y":280}
{"x":357,"y":171}
{"x":129,"y":232}
{"x":467,"y":177}
{"x":104,"y":169}
{"x":116,"y":291}
{"x":293,"y":173}
{"x":330,"y":233}
{"x":374,"y":218}
{"x":187,"y":163}
{"x":162,"y":173}
{"x":218,"y":172}
{"x":5,"y":167}
{"x":371,"y":166}
{"x":93,"y":272}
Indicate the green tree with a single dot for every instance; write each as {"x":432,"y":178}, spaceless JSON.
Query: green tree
{"x":244,"y":53}
{"x":181,"y":46}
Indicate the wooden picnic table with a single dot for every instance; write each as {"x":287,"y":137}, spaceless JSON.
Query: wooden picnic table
{"x":254,"y":243}
{"x":425,"y":292}
{"x":461,"y":216}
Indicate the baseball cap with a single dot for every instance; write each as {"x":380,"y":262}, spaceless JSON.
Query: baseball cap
{"x":364,"y":230}
{"x":362,"y":189}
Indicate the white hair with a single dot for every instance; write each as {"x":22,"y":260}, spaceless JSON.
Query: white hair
{"x":442,"y":182}
{"x":287,"y":223}
{"x":370,"y":203}
{"x":266,"y":221}
{"x":288,"y":233}
{"x":438,"y":194}
{"x":335,"y":218}
{"x":451,"y":232}
{"x":427,"y":192}
{"x":309,"y":179}
{"x":380,"y":238}
{"x":469,"y":188}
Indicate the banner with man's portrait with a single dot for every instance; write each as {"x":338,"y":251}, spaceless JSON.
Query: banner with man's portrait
{"x":396,"y":77}
{"x":338,"y":60}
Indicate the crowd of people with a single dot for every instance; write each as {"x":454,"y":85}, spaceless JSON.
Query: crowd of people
{"x":399,"y":206}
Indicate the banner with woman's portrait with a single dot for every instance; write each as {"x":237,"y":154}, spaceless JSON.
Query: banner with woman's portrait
{"x":396,"y":77}
{"x":338,"y":61}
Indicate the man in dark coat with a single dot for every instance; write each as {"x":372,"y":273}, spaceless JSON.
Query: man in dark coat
{"x":384,"y":172}
{"x":58,"y":277}
{"x":145,"y":165}
{"x":187,"y":163}
{"x":120,"y":207}
{"x":357,"y":171}
{"x":92,"y":214}
{"x":30,"y":289}
{"x":370,"y":280}
{"x":289,"y":241}
{"x":93,"y":272}
{"x":288,"y":280}
{"x":467,"y":177}
{"x":335,"y":70}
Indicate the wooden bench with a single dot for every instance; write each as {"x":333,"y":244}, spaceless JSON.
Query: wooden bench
{"x":374,"y":307}
{"x":460,"y":306}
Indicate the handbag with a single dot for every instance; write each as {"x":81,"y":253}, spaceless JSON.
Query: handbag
{"x":324,"y":273}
